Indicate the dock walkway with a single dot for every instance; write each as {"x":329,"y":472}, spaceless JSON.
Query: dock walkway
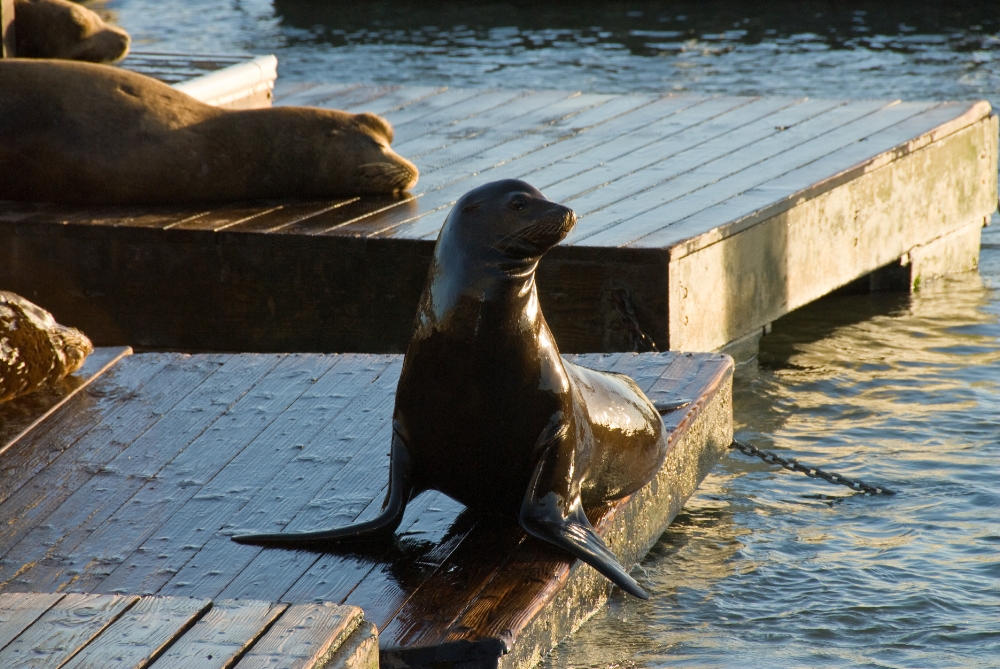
{"x":131,"y":478}
{"x":704,"y":217}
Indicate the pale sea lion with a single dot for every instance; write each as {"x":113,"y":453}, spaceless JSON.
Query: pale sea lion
{"x":61,"y":29}
{"x":486,"y":409}
{"x":91,"y":134}
{"x":35,"y":350}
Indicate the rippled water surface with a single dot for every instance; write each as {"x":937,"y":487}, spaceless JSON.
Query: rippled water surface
{"x":763,"y":568}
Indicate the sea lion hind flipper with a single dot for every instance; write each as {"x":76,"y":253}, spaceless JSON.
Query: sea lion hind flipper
{"x":379,"y":528}
{"x":543,"y":519}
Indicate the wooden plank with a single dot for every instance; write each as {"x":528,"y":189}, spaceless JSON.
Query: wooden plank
{"x":225,"y":216}
{"x":440,"y":189}
{"x":431,"y":107}
{"x":682,"y":121}
{"x":18,"y":611}
{"x":292,"y":436}
{"x":87,"y":458}
{"x":316,"y":96}
{"x":109,"y":544}
{"x":484,"y":101}
{"x":655,"y":161}
{"x":64,"y":630}
{"x":21,"y":415}
{"x":304,"y":637}
{"x":396,"y":100}
{"x":454,"y":144}
{"x":96,"y":500}
{"x":303,"y":496}
{"x":140,"y":635}
{"x":50,"y":440}
{"x":222,"y":635}
{"x":621,"y":225}
{"x":288,"y":214}
{"x":806,"y":180}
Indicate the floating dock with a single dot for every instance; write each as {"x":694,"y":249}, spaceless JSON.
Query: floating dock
{"x":701,"y":220}
{"x":130,"y":479}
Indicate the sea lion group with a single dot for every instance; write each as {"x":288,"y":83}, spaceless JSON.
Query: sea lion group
{"x":486,"y":409}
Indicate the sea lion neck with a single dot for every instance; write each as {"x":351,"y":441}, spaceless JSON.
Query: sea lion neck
{"x":478,"y":279}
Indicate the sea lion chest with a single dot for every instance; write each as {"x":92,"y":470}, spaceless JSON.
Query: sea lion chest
{"x":474,"y":396}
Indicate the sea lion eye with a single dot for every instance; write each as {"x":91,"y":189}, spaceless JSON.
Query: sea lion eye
{"x":518,"y":204}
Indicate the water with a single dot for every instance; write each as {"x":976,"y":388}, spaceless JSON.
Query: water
{"x":763,"y":568}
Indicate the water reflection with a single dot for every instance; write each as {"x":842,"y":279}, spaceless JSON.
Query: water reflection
{"x":832,"y":49}
{"x":768,"y":568}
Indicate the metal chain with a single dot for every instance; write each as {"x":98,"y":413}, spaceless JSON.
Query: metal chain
{"x":813,"y":472}
{"x":641,"y":342}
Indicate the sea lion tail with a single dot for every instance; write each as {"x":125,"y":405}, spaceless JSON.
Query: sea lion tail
{"x":663,"y":407}
{"x":379,"y":528}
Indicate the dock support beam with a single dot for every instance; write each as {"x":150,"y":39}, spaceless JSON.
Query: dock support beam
{"x":6,"y":28}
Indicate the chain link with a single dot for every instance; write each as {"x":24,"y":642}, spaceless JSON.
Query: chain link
{"x":794,"y":465}
{"x":641,"y":342}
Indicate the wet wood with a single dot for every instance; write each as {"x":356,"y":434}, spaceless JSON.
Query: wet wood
{"x":171,"y":454}
{"x":222,"y":636}
{"x":140,"y":634}
{"x":78,"y":631}
{"x":64,"y":630}
{"x":21,"y":414}
{"x":657,"y":182}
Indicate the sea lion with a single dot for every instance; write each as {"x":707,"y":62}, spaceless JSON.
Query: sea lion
{"x":61,"y":29}
{"x":35,"y":350}
{"x":80,"y":133}
{"x":488,"y":412}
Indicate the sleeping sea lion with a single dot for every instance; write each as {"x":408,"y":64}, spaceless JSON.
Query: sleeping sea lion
{"x":488,"y":412}
{"x":35,"y":350}
{"x":92,"y":134}
{"x":62,"y":29}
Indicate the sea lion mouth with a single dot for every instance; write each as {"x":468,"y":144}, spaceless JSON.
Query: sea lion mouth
{"x":387,"y":177}
{"x":540,"y":236}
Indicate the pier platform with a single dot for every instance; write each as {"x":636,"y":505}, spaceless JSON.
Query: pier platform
{"x":701,"y":220}
{"x":134,"y":481}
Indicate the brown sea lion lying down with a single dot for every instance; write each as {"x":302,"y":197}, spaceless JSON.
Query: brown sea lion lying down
{"x":61,"y":29}
{"x":35,"y":350}
{"x":91,"y":134}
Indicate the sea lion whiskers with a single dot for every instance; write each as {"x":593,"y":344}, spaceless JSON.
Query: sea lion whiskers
{"x":530,"y":232}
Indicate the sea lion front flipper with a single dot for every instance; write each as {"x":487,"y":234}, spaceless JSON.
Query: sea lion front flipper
{"x":549,"y":516}
{"x":380,"y":527}
{"x":664,"y":407}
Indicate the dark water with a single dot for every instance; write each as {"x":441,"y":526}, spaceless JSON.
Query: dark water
{"x":764,"y":568}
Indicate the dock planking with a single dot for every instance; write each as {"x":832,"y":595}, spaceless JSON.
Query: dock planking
{"x":712,"y":215}
{"x":85,"y":631}
{"x":134,"y":485}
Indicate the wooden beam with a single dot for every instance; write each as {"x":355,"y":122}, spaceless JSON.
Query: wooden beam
{"x":6,"y":28}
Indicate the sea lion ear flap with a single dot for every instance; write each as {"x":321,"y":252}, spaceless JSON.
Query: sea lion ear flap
{"x":376,"y":124}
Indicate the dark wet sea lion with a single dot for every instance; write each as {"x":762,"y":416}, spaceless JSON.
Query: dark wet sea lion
{"x":92,"y":134}
{"x":486,"y":409}
{"x":62,"y":29}
{"x":35,"y":350}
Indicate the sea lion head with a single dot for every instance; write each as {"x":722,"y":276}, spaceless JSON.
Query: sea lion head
{"x":379,"y":168}
{"x":508,"y":219}
{"x":66,"y":30}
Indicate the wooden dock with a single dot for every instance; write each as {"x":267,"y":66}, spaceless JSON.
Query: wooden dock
{"x":80,"y":631}
{"x":706,"y":217}
{"x":130,"y":481}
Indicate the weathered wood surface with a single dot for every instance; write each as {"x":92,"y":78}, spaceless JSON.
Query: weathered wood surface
{"x":79,"y":631}
{"x":22,"y":413}
{"x":775,"y":201}
{"x":135,"y":484}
